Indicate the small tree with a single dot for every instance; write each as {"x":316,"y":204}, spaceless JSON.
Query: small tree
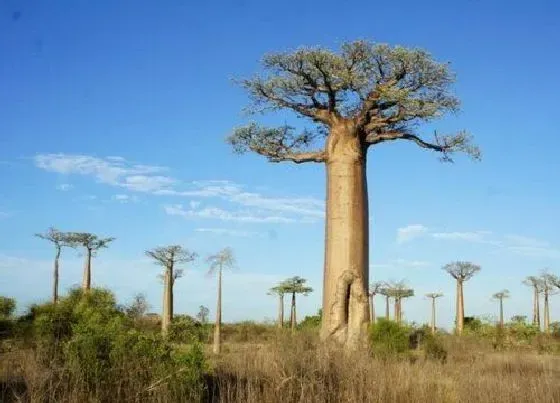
{"x":169,"y":257}
{"x":433,"y":296}
{"x":59,"y":240}
{"x":374,"y":289}
{"x":548,"y":288}
{"x":362,"y":96}
{"x":202,"y":314}
{"x":461,"y":272}
{"x":224,"y":259}
{"x":91,"y":243}
{"x":280,"y":290}
{"x":499,"y":296}
{"x":295,"y":285}
{"x":7,"y":307}
{"x":138,"y":307}
{"x":536,"y":284}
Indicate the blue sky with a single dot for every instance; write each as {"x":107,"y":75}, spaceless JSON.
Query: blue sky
{"x":113,"y":118}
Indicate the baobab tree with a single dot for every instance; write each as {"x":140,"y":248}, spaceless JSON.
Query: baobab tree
{"x":461,"y":272}
{"x":224,"y":259}
{"x":295,"y":285}
{"x":536,"y":285}
{"x":548,"y":288}
{"x":374,"y":289}
{"x":169,"y":257}
{"x":399,"y":290}
{"x":91,"y":243}
{"x":499,"y":296}
{"x":385,"y":292}
{"x":433,"y":296}
{"x":280,"y":290}
{"x":59,"y":240}
{"x":362,"y":96}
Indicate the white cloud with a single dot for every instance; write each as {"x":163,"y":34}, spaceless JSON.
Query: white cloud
{"x":525,"y":242}
{"x":410,"y":232}
{"x":123,"y":198}
{"x":400,"y":263}
{"x":64,"y":187}
{"x":223,"y":215}
{"x":476,"y":236}
{"x":229,"y":232}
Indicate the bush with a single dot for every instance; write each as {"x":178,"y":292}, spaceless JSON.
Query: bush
{"x":388,"y":338}
{"x":7,"y":307}
{"x":312,"y":321}
{"x":184,"y":329}
{"x":433,"y":348}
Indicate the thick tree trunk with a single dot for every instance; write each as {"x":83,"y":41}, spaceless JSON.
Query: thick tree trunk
{"x":433,"y":315}
{"x":372,"y":308}
{"x":536,"y":309}
{"x":217,"y":329}
{"x":396,"y":309}
{"x":501,"y":312}
{"x":387,"y":307}
{"x":345,"y":284}
{"x":546,"y":313}
{"x":293,"y":320}
{"x":86,"y":282}
{"x":280,"y":310}
{"x":460,"y":307}
{"x":55,"y":275}
{"x":165,"y":314}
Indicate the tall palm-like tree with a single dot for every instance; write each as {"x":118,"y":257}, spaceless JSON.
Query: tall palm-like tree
{"x":535,"y":283}
{"x":374,"y":289}
{"x":295,"y":285}
{"x":59,"y":240}
{"x":224,"y":259}
{"x":280,"y":290}
{"x":169,"y":257}
{"x":91,"y":243}
{"x":461,"y":272}
{"x":433,"y":296}
{"x":499,"y":296}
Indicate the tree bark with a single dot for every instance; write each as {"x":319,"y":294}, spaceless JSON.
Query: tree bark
{"x":293,"y":313}
{"x":345,"y":284}
{"x":501,"y":312}
{"x":171,"y":299}
{"x":460,"y":307}
{"x":55,"y":275}
{"x":165,"y":310}
{"x":280,"y":310}
{"x":387,"y":307}
{"x":217,"y":329}
{"x":546,"y":313}
{"x":396,"y":308}
{"x":86,"y":282}
{"x":433,"y":315}
{"x":372,"y":308}
{"x":536,"y":308}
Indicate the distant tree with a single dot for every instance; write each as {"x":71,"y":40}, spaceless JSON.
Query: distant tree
{"x":433,"y":296}
{"x":7,"y":307}
{"x":138,"y":307}
{"x":461,"y":272}
{"x":536,"y":284}
{"x":202,"y":314}
{"x":548,"y":288}
{"x":59,"y":240}
{"x":399,"y":290}
{"x":499,"y":296}
{"x":169,"y":257}
{"x":374,"y":289}
{"x":280,"y":290}
{"x":224,"y":259}
{"x":519,"y":318}
{"x":385,"y":292}
{"x":91,"y":243}
{"x":362,"y":96}
{"x":295,"y":285}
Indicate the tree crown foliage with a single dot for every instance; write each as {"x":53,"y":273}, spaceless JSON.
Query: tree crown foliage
{"x":501,"y":295}
{"x":224,"y":259}
{"x":383,"y":93}
{"x":58,"y":238}
{"x":89,"y":241}
{"x":434,"y":295}
{"x":461,"y":271}
{"x":296,"y":285}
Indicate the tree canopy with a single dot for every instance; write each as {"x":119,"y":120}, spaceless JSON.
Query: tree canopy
{"x":461,"y":271}
{"x":296,"y":285}
{"x":501,"y":295}
{"x":383,"y":93}
{"x":89,"y":241}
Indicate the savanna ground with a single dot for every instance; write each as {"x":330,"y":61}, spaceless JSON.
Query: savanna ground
{"x":89,"y":349}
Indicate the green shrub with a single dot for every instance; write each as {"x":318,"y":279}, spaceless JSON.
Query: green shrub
{"x":185,"y":329}
{"x":311,"y":321}
{"x":388,"y":338}
{"x":434,"y":348}
{"x":7,"y":307}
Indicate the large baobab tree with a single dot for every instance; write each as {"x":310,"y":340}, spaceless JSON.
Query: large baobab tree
{"x":535,"y":283}
{"x":295,"y":285}
{"x":224,"y":259}
{"x":461,"y":272}
{"x":499,"y":296}
{"x":91,"y":243}
{"x":548,"y":288}
{"x":362,"y":96}
{"x":433,"y":296}
{"x":280,"y":290}
{"x":59,"y":240}
{"x":170,"y":257}
{"x":374,"y":289}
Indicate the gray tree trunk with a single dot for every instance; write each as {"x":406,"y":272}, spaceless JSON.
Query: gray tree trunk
{"x":346,"y":271}
{"x":280,"y":310}
{"x":372,"y":308}
{"x":546,"y":313}
{"x":293,"y":320}
{"x":433,"y":315}
{"x":387,"y":307}
{"x":55,"y":275}
{"x":460,"y":307}
{"x":536,"y":308}
{"x":217,"y":329}
{"x":165,"y":314}
{"x":501,"y":312}
{"x":86,"y":282}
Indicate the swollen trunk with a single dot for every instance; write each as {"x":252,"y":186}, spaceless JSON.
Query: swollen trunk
{"x":345,"y":295}
{"x":55,"y":276}
{"x":217,"y":329}
{"x":86,"y":282}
